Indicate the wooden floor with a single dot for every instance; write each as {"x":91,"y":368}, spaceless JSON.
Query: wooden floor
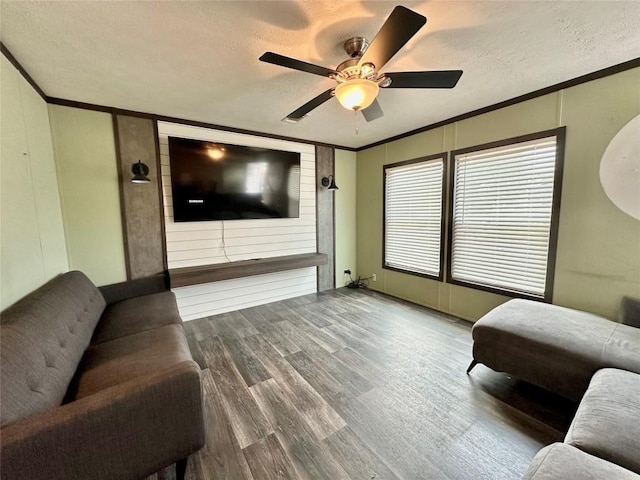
{"x":355,"y":384}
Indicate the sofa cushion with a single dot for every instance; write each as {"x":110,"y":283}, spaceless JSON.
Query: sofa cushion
{"x":137,"y":315}
{"x":560,"y":461}
{"x":42,"y":339}
{"x":554,"y":347}
{"x":128,"y":358}
{"x":607,"y":423}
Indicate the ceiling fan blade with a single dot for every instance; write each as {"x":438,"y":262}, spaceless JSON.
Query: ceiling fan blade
{"x":401,"y":25}
{"x":434,"y":79}
{"x":372,"y":112}
{"x":277,"y":59}
{"x":310,"y":105}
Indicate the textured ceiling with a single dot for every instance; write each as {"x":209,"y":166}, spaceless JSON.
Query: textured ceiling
{"x":199,"y":60}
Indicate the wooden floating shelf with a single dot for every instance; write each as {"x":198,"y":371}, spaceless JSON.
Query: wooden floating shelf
{"x":182,"y":277}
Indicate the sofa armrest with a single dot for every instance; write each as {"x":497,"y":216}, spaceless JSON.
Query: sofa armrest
{"x":630,"y":311}
{"x":128,"y":431}
{"x":117,"y":292}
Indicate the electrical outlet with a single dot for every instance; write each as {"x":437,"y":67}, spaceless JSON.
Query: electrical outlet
{"x":374,"y":277}
{"x":347,"y":272}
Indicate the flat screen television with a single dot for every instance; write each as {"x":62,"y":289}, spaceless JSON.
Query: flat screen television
{"x":215,"y":181}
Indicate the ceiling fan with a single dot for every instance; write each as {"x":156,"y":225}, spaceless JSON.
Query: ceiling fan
{"x":359,"y":78}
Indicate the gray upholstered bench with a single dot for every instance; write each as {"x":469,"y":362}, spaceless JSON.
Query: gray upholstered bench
{"x":561,"y":461}
{"x":561,"y":349}
{"x":556,"y":348}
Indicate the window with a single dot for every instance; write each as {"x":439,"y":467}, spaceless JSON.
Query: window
{"x":413,"y":212}
{"x":505,"y":205}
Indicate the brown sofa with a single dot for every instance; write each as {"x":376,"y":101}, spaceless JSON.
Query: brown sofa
{"x":97,"y":384}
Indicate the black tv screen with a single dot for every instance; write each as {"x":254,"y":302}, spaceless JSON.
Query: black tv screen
{"x":215,"y":181}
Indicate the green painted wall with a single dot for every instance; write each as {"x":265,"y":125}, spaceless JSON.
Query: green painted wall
{"x":599,"y":245}
{"x":345,"y":214}
{"x":32,"y":246}
{"x":88,"y":177}
{"x":598,"y":259}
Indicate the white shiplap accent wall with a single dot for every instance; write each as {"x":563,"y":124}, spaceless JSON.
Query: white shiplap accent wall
{"x":197,"y":301}
{"x":202,"y":243}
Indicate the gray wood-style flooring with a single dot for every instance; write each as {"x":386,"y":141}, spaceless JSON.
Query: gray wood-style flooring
{"x":352,"y":384}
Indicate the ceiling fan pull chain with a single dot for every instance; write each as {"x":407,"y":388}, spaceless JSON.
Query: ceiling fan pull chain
{"x":355,"y":121}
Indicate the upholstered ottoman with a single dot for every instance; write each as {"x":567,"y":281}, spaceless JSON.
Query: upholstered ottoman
{"x":607,"y":423}
{"x":560,"y":461}
{"x":556,"y":348}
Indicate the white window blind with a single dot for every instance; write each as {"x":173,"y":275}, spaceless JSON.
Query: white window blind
{"x":502,"y":213}
{"x":413,"y":216}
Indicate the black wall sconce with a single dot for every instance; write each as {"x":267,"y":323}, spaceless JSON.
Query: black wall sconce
{"x":329,"y":182}
{"x":140,"y":172}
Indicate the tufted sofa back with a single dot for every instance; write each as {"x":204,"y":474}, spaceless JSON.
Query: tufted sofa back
{"x":42,"y":339}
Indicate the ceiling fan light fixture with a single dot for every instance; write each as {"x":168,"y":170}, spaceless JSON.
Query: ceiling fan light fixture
{"x":356,"y":94}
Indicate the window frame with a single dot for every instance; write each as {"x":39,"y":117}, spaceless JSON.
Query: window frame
{"x":560,"y":134}
{"x":445,"y":168}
